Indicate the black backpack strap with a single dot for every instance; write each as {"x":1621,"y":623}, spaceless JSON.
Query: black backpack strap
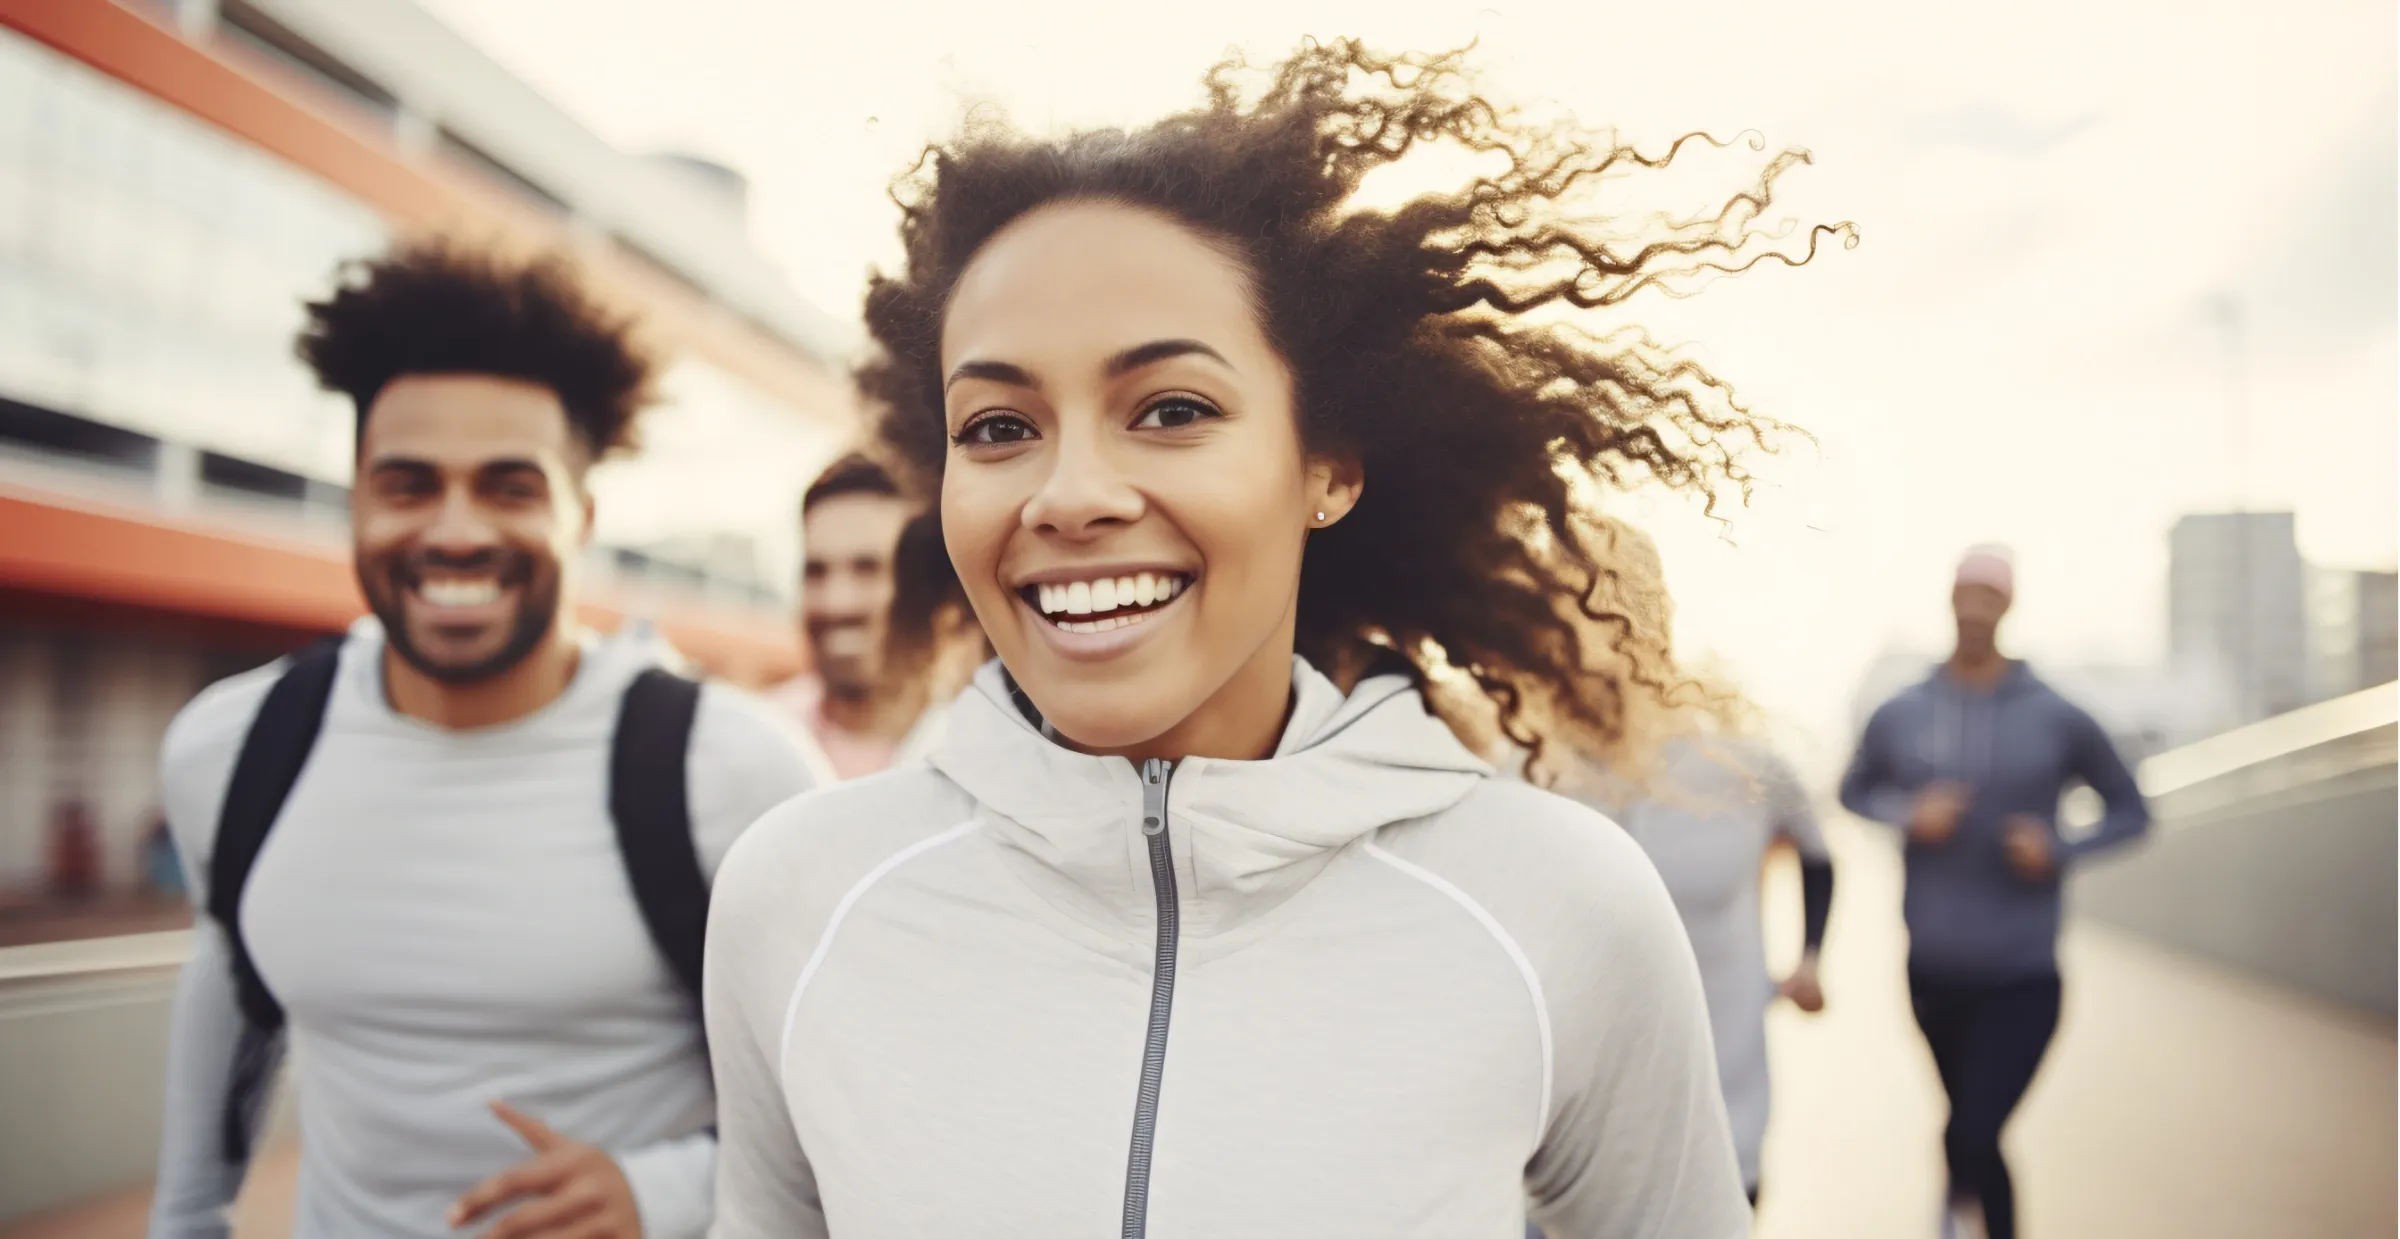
{"x":648,"y":799}
{"x":274,"y":751}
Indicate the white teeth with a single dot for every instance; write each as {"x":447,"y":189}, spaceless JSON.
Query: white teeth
{"x":1107,"y":594}
{"x":459,"y":593}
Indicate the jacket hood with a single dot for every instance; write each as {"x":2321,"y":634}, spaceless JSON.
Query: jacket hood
{"x":1244,"y":834}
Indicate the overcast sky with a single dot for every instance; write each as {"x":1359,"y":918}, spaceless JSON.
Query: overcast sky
{"x":2057,"y":199}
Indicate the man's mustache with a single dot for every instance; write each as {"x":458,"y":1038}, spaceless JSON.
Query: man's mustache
{"x":512,"y":567}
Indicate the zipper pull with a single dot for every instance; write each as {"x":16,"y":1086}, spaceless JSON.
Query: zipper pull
{"x":1154,"y":794}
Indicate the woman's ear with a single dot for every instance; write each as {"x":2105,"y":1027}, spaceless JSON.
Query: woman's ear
{"x":1334,"y":485}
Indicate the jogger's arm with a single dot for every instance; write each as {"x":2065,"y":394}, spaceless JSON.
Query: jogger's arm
{"x":1869,"y":786}
{"x":2126,"y":815}
{"x":1794,"y":819}
{"x":197,"y":1181}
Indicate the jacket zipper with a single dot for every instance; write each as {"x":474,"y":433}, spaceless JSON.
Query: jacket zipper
{"x":1162,"y":997}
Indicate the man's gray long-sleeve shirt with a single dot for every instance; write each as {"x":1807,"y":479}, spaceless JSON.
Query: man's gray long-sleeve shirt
{"x":447,"y":921}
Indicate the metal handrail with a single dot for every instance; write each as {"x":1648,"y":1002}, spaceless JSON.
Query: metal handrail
{"x":2268,"y":739}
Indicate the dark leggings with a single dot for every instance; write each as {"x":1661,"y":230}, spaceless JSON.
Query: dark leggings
{"x":1987,"y":1039}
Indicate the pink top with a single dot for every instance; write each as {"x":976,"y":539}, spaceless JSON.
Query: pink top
{"x":851,"y":754}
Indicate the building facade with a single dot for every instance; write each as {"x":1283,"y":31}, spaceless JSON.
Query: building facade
{"x":2351,"y":629}
{"x":176,"y":179}
{"x":2237,"y":608}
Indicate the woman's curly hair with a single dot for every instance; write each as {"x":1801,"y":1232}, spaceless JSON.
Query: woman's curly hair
{"x":1423,"y":342}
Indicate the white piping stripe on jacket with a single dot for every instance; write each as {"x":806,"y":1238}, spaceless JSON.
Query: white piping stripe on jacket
{"x":1516,"y":955}
{"x":816,"y":958}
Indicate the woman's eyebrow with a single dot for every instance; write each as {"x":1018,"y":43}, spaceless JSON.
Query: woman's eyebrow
{"x":996,"y":371}
{"x":1156,"y":351}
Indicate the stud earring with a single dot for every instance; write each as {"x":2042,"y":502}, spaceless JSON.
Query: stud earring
{"x":1320,"y":518}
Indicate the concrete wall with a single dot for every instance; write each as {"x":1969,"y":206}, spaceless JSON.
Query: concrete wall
{"x":82,"y":1085}
{"x":2292,"y":883}
{"x":82,"y":1074}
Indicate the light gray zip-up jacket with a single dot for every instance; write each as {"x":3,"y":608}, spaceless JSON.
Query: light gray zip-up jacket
{"x":1357,"y":988}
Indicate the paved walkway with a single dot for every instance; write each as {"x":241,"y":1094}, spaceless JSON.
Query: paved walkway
{"x":2180,"y":1102}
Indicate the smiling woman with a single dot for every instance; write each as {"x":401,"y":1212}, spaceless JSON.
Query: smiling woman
{"x":1234,"y":473}
{"x":1403,"y":353}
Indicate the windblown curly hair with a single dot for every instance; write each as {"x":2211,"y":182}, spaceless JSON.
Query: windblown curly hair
{"x":1422,"y":345}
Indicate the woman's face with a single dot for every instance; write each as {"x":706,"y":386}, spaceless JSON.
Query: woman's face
{"x":1126,"y":497}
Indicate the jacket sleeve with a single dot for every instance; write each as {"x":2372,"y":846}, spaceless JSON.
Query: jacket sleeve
{"x":765,"y":1188}
{"x":1794,"y":819}
{"x":2095,"y":761}
{"x":1870,"y":786}
{"x":1788,"y":805}
{"x":1638,"y":1146}
{"x":197,"y":1183}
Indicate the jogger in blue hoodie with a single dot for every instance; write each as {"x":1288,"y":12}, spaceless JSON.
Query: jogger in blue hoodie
{"x":1970,"y":764}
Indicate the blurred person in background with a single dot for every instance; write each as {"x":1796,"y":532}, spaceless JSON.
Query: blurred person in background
{"x":1709,"y":808}
{"x":162,"y":868}
{"x":461,"y":792}
{"x":1199,"y":921}
{"x":1970,"y":766}
{"x":868,"y":700}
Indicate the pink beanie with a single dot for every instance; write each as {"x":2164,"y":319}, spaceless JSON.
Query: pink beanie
{"x":1988,"y":565}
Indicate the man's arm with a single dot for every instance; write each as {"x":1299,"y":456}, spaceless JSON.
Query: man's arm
{"x":197,"y":1180}
{"x":2095,"y":761}
{"x":1868,"y":786}
{"x":744,"y":760}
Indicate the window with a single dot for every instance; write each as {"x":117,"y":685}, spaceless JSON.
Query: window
{"x":246,"y":27}
{"x":40,"y":431}
{"x":491,"y":167}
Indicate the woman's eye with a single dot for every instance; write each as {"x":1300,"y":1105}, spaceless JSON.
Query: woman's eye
{"x":1174,"y":413}
{"x":993,"y":430}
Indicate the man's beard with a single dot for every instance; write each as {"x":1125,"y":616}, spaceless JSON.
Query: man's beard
{"x":386,"y":584}
{"x":850,"y":675}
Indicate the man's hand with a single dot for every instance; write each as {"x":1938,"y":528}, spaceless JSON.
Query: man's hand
{"x":2027,"y":840}
{"x":570,"y":1190}
{"x":1802,"y":987}
{"x":1934,"y":817}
